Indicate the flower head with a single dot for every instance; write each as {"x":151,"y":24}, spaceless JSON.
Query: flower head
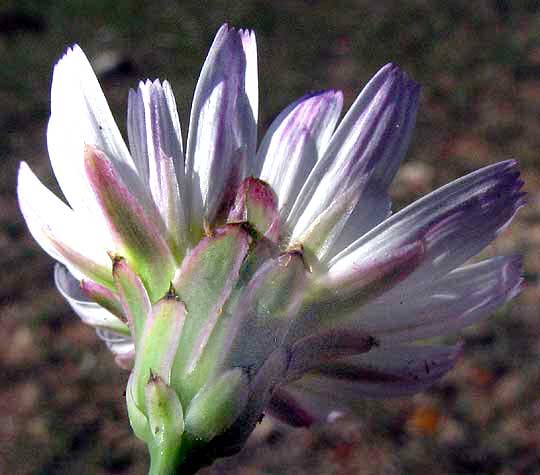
{"x":237,"y":281}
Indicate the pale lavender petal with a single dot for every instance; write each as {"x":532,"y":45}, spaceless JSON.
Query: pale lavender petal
{"x":89,"y":312}
{"x":385,"y":372}
{"x":122,"y":346}
{"x":223,"y":121}
{"x":295,"y":142}
{"x":368,"y":136}
{"x":156,"y":143}
{"x":371,"y":277}
{"x":251,"y":84}
{"x":454,"y":223}
{"x":318,"y":238}
{"x":457,"y":300}
{"x":137,"y":135}
{"x":374,"y":206}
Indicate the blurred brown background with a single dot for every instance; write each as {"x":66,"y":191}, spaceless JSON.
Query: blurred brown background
{"x":61,"y":397}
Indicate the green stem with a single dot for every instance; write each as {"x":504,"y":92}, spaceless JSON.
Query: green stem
{"x":171,"y":460}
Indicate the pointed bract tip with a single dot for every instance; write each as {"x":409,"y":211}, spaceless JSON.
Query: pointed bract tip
{"x":153,"y":377}
{"x":256,"y":205}
{"x":117,"y":259}
{"x":93,"y":158}
{"x":292,"y":254}
{"x":171,"y":293}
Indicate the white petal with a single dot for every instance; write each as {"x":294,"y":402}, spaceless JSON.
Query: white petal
{"x":249,"y":44}
{"x":374,"y":206}
{"x":76,"y":95}
{"x":59,"y":231}
{"x":222,"y":127}
{"x":80,"y":115}
{"x":459,"y":299}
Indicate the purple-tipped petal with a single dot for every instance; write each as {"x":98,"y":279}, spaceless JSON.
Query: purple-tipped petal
{"x":156,"y":142}
{"x":455,"y":223}
{"x":136,"y":225}
{"x":369,"y":135}
{"x":375,"y":204}
{"x":457,"y":300}
{"x":295,"y":141}
{"x":297,"y":407}
{"x":223,"y":121}
{"x":89,"y":312}
{"x":256,"y":205}
{"x":284,"y":407}
{"x":314,"y":350}
{"x":385,"y":372}
{"x":133,"y":296}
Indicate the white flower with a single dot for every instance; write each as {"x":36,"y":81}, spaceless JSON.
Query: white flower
{"x":244,"y":281}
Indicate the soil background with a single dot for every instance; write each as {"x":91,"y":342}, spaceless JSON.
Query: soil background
{"x":61,"y":398}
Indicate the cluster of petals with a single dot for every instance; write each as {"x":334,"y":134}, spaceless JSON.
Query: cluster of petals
{"x":287,"y":267}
